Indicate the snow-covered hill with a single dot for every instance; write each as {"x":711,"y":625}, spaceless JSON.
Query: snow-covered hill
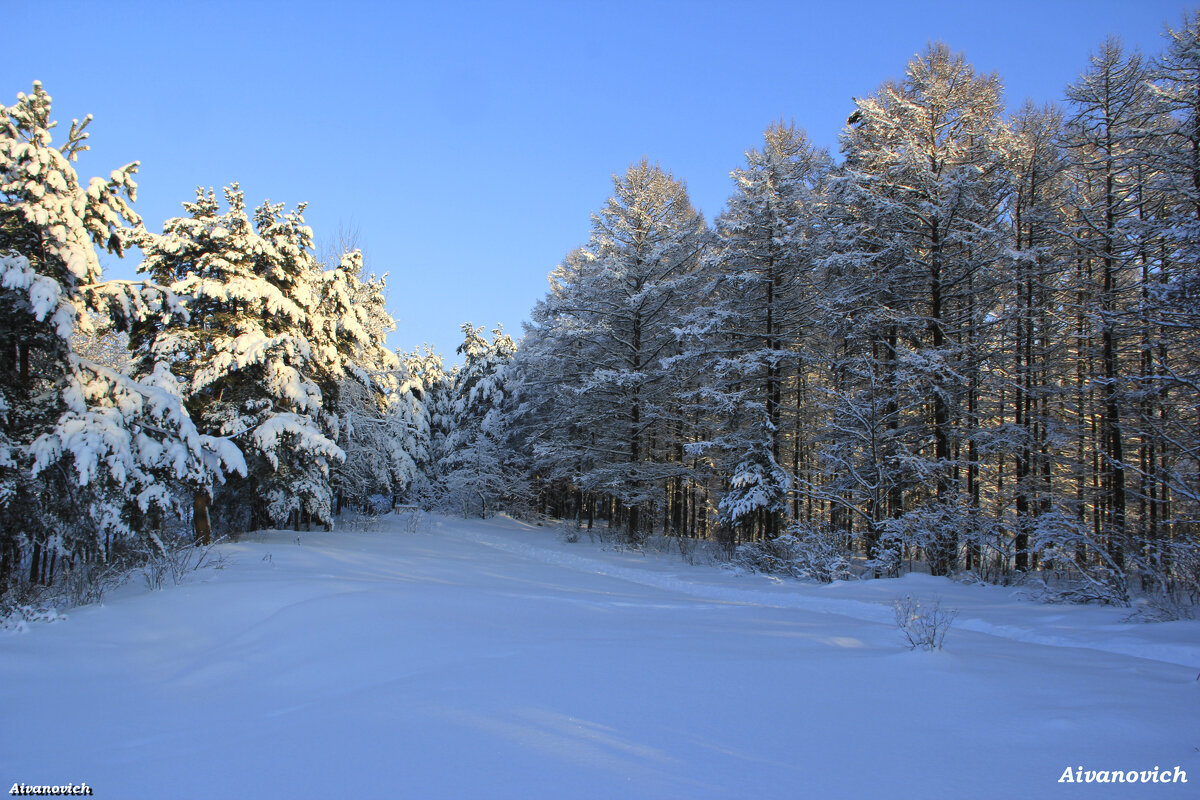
{"x":475,"y":659}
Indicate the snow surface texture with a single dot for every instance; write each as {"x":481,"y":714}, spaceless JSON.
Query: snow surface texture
{"x":489,"y":659}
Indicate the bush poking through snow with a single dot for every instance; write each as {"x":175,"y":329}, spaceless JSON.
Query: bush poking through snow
{"x":924,"y":624}
{"x":1163,"y":608}
{"x":805,"y":554}
{"x":687,"y":548}
{"x":180,"y":561}
{"x":1082,"y":588}
{"x":569,"y":531}
{"x":86,"y":584}
{"x":80,"y":584}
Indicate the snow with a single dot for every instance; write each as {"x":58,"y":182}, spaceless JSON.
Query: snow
{"x":308,"y":439}
{"x":490,"y":659}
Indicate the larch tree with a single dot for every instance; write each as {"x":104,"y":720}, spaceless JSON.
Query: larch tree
{"x":756,"y":318}
{"x":550,"y":361}
{"x":1168,"y":377}
{"x":925,"y":155}
{"x":971,"y":344}
{"x":1108,"y":109}
{"x":1035,"y":328}
{"x":613,"y":310}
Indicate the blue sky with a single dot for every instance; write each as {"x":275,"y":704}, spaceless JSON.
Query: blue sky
{"x":470,"y":142}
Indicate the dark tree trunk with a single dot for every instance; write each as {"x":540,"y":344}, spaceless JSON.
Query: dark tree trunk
{"x":200,"y":520}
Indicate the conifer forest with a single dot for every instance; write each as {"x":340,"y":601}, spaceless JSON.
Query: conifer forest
{"x":967,"y":343}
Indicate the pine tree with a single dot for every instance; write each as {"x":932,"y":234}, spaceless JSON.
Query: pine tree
{"x":427,"y":402}
{"x":104,"y":453}
{"x":252,"y":358}
{"x":366,"y":387}
{"x":475,"y":471}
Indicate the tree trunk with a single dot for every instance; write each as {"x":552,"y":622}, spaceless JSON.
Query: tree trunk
{"x":203,"y":533}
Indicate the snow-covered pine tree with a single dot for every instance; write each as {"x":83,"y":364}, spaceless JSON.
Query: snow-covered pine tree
{"x":409,"y":417}
{"x":432,"y":418}
{"x":103,"y":454}
{"x":364,"y":385}
{"x":476,"y":470}
{"x":247,"y":362}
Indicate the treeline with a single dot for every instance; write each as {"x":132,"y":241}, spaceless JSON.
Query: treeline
{"x":972,"y":343}
{"x":245,"y":383}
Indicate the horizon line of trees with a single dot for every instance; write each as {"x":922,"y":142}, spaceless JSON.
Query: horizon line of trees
{"x":974,"y":343}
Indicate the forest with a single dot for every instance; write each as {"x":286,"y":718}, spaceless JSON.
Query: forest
{"x":967,"y":344}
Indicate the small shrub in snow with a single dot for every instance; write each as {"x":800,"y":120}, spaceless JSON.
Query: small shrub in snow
{"x":415,"y":521}
{"x":1163,"y":608}
{"x":924,"y":624}
{"x":359,"y":523}
{"x":601,"y":533}
{"x":1187,"y":573}
{"x":687,"y":548}
{"x":155,"y":573}
{"x":727,"y":544}
{"x":569,"y":531}
{"x":806,"y":554}
{"x":1082,"y":589}
{"x":178,"y":561}
{"x":1090,"y":573}
{"x":87,"y":583}
{"x":1170,"y":578}
{"x":773,"y":556}
{"x":18,"y":618}
{"x":889,"y":558}
{"x":78,"y":584}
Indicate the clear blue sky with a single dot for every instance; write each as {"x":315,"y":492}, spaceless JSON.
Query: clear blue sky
{"x":470,"y":142}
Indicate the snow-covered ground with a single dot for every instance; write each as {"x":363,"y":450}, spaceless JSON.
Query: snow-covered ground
{"x":491,"y":660}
